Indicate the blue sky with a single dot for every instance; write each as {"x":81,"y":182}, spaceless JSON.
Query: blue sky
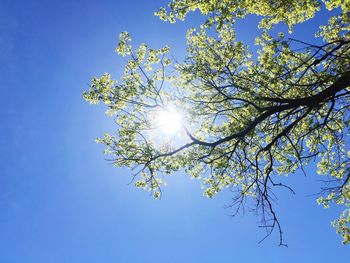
{"x":62,"y":202}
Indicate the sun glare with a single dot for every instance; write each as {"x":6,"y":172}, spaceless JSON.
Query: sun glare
{"x":169,"y":121}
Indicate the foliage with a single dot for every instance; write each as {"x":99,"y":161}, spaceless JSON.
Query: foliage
{"x":249,"y":118}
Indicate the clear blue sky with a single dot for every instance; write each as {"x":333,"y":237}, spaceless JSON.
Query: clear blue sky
{"x":62,"y":202}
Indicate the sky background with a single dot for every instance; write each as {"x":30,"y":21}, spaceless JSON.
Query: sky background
{"x":61,"y":201}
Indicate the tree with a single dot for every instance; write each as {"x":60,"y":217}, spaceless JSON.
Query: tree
{"x":246,"y":118}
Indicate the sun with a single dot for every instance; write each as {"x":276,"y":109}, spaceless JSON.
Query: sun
{"x":169,"y":121}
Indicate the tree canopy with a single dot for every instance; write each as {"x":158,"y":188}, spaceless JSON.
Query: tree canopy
{"x":247,"y":116}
